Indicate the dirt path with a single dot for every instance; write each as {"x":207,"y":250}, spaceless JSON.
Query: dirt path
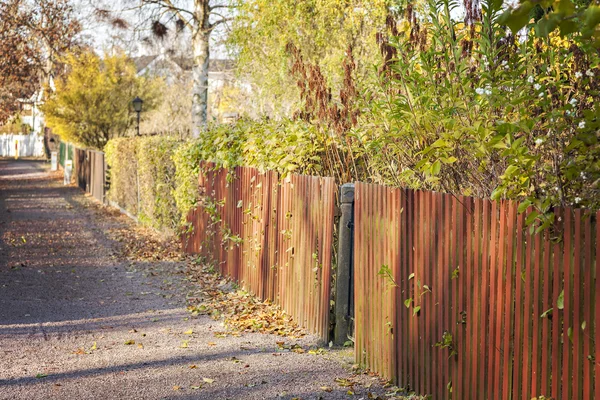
{"x":69,"y":305}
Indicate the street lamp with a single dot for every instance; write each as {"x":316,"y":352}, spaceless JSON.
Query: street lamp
{"x":137,"y":106}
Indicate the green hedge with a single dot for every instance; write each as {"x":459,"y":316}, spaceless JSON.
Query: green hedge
{"x":121,"y":157}
{"x":166,"y":169}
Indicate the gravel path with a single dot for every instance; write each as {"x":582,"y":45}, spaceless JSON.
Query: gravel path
{"x":69,"y":305}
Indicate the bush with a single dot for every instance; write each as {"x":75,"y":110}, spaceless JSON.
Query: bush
{"x":121,"y":157}
{"x":284,"y":146}
{"x":142,"y":179}
{"x":156,"y":172}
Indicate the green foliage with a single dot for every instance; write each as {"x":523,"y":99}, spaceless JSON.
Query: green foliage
{"x":142,"y":179}
{"x":285,"y":146}
{"x":322,"y":29}
{"x":468,"y":110}
{"x":566,"y":16}
{"x":156,"y":172}
{"x":93,"y":103}
{"x":447,"y":342}
{"x":121,"y":158}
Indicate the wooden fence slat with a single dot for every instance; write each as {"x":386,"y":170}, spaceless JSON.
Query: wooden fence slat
{"x":597,"y":311}
{"x":518,"y":327}
{"x":535,"y":317}
{"x":556,"y":283}
{"x":546,"y":301}
{"x":566,"y":368}
{"x":527,"y":316}
{"x":587,"y":309}
{"x":507,"y":347}
{"x":577,"y":308}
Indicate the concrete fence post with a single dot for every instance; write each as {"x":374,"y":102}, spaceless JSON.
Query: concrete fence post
{"x":344,"y":294}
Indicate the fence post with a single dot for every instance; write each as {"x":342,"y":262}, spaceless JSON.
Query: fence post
{"x":344,"y":293}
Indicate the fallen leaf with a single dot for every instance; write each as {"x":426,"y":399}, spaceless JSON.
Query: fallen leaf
{"x":208,"y":380}
{"x":140,"y":345}
{"x":188,"y":332}
{"x":176,"y":387}
{"x":38,"y":376}
{"x":184,"y":344}
{"x":326,"y":389}
{"x":94,"y":347}
{"x":129,"y":342}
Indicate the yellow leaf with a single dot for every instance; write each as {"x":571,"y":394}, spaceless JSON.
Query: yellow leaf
{"x":184,"y":344}
{"x":94,"y":347}
{"x":188,"y":332}
{"x":208,"y":380}
{"x":129,"y":342}
{"x":176,"y":387}
{"x":326,"y":389}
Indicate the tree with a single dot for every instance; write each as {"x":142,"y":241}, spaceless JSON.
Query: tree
{"x":202,"y":18}
{"x":32,"y":33}
{"x":92,"y":104}
{"x":568,"y":16}
{"x":322,"y":30}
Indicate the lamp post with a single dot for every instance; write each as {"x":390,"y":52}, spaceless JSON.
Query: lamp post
{"x":137,"y":106}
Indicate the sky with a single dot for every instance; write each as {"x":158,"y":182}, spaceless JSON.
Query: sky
{"x":103,"y":36}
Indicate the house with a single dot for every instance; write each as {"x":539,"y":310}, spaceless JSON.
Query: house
{"x":23,"y":135}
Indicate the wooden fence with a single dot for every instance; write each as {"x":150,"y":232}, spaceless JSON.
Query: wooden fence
{"x":90,"y":169}
{"x":274,"y":236}
{"x":469,"y":304}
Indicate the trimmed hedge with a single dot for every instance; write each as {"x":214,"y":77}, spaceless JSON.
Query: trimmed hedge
{"x":166,"y":169}
{"x":142,"y":179}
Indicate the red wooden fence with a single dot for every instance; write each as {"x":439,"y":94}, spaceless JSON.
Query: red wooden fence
{"x":272,"y":236}
{"x":468,"y":270}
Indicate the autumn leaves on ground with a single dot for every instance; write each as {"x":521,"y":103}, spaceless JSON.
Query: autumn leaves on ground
{"x":93,"y":306}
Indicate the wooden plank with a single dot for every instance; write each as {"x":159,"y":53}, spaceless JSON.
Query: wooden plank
{"x":446,"y":288}
{"x":461,"y":366}
{"x":358,"y":275}
{"x":402,"y":331}
{"x":477,"y":354}
{"x":527,"y":317}
{"x":597,"y":312}
{"x":566,"y":367}
{"x":426,"y":310}
{"x":546,"y":339}
{"x":518,"y":327}
{"x":587,"y":310}
{"x":438,"y":293}
{"x":508,"y":345}
{"x":556,"y":281}
{"x":471,"y":304}
{"x":577,"y":307}
{"x":535,"y":332}
{"x":485,"y":297}
{"x":453,"y":290}
{"x":409,"y":269}
{"x":493,"y":300}
{"x":498,"y":305}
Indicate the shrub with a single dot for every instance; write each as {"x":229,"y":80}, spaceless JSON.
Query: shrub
{"x":121,"y":157}
{"x":156,"y":172}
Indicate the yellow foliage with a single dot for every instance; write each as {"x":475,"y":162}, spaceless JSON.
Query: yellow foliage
{"x":93,"y":103}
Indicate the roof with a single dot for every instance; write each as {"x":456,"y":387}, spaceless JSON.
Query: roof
{"x":186,"y":63}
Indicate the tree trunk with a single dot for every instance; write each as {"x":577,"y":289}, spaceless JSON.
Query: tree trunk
{"x":201,"y":53}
